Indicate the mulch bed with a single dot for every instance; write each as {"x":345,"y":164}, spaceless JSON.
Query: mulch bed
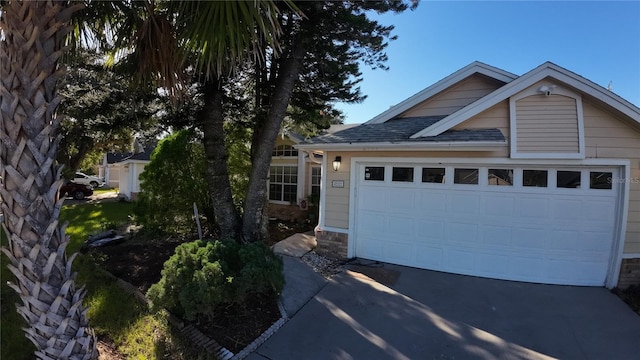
{"x":631,"y":296}
{"x":236,"y":326}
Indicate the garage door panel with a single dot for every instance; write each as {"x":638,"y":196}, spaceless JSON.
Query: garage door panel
{"x":399,"y":252}
{"x":495,"y":236}
{"x":493,"y":264}
{"x":432,"y":202}
{"x":372,"y":221}
{"x":461,"y":233}
{"x":567,"y":210}
{"x":398,"y":226}
{"x":528,"y":238}
{"x":600,"y":211}
{"x":461,"y":261}
{"x":402,"y":201}
{"x":499,"y":205}
{"x":549,"y":235}
{"x":431,"y":231}
{"x":525,"y":267}
{"x":429,"y":257}
{"x":532,"y":207}
{"x":597,"y":241}
{"x":563,"y":240}
{"x":465,"y":203}
{"x":372,"y":199}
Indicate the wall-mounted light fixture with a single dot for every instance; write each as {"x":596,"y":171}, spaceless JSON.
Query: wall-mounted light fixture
{"x":336,"y":163}
{"x":547,"y":89}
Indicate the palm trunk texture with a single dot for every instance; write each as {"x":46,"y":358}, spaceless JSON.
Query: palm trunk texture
{"x":52,"y":306}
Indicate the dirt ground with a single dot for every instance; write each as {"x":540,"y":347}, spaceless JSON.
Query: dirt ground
{"x":141,"y":264}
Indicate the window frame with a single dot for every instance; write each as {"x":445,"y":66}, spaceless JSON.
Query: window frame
{"x":284,"y":151}
{"x":283,"y":184}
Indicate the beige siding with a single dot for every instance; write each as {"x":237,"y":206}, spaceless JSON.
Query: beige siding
{"x":609,"y":136}
{"x":496,"y":116}
{"x":547,"y":124}
{"x":455,"y":98}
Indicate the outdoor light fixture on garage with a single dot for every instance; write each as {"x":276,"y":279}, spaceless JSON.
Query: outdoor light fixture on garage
{"x":336,"y":163}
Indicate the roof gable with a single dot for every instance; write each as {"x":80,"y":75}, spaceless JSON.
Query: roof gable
{"x":473,"y":68}
{"x":541,"y":72}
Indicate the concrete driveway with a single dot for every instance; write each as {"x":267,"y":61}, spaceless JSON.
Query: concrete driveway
{"x":433,"y":315}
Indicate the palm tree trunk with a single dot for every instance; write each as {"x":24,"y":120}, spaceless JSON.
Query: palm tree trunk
{"x":212,"y":124}
{"x":52,"y":306}
{"x":254,"y":221}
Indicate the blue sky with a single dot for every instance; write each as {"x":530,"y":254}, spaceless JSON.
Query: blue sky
{"x":598,"y":40}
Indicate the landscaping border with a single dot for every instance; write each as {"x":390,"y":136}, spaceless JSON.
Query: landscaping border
{"x":199,"y":338}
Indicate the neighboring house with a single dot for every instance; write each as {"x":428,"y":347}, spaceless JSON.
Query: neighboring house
{"x":294,"y":176}
{"x":122,"y":171}
{"x":109,"y":169}
{"x":528,"y":178}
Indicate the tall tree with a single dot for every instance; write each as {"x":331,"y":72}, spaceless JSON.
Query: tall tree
{"x":319,"y":64}
{"x":103,"y":110}
{"x":34,"y":34}
{"x":34,"y":38}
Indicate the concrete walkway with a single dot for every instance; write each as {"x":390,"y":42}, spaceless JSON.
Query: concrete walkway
{"x":301,"y":282}
{"x":433,"y":315}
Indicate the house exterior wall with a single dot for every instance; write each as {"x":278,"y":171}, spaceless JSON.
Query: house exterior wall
{"x":547,"y":124}
{"x":455,"y":98}
{"x":112,"y":175}
{"x":608,"y":136}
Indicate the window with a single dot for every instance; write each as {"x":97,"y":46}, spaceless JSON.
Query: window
{"x":568,"y":179}
{"x":316,"y":175}
{"x":374,"y":173}
{"x":534,"y":178}
{"x":433,"y":175}
{"x":284,"y":150}
{"x":283,"y":183}
{"x":404,"y":174}
{"x":465,"y":176}
{"x":600,"y":180}
{"x":500,"y":177}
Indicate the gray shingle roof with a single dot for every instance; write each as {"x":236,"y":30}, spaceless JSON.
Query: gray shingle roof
{"x":400,"y":130}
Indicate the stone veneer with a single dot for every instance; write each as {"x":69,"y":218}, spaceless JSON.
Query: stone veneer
{"x":629,"y":273}
{"x":331,"y":244}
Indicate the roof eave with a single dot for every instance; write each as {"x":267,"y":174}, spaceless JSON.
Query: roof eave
{"x":475,"y":67}
{"x":547,"y":69}
{"x":409,"y":145}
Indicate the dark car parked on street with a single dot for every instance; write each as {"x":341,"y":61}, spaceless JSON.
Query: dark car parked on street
{"x":77,"y":191}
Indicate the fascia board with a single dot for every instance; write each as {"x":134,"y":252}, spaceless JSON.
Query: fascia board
{"x":409,"y":145}
{"x":475,"y":67}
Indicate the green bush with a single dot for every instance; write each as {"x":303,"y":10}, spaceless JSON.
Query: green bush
{"x":203,"y":276}
{"x":173,"y":180}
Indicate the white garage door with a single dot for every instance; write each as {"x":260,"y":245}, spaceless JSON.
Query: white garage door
{"x":537,"y":224}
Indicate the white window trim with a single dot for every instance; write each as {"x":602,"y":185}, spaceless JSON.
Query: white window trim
{"x":311,"y":178}
{"x":620,"y":229}
{"x":513,"y":125}
{"x":282,"y":202}
{"x":291,"y":147}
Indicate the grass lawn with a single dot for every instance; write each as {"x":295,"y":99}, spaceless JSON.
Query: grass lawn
{"x":113,"y":313}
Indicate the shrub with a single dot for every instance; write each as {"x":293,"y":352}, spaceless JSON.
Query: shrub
{"x":173,"y":180}
{"x":203,"y":276}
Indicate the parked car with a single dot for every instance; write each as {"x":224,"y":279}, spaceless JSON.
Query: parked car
{"x":77,"y":191}
{"x":93,"y":181}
